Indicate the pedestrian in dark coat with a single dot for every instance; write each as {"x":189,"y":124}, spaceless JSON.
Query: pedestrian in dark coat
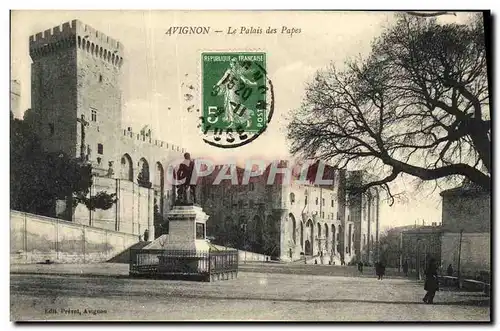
{"x":449,"y":271}
{"x":379,"y":270}
{"x":431,"y":281}
{"x":405,"y":268}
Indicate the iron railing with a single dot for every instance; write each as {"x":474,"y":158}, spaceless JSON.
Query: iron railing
{"x":209,"y":265}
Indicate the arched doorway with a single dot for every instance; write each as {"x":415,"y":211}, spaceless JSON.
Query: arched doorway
{"x":326,"y":238}
{"x":302,"y":235}
{"x":333,"y":239}
{"x":310,"y":237}
{"x":257,"y":235}
{"x":308,"y":248}
{"x":126,"y":168}
{"x":339,"y":240}
{"x":158,"y":186}
{"x":143,"y":178}
{"x":319,"y":238}
{"x":293,"y":229}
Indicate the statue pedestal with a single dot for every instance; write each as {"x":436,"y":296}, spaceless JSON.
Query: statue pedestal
{"x":187,"y":230}
{"x":184,"y":252}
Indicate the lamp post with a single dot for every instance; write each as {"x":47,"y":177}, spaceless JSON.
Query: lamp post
{"x":400,"y":252}
{"x":459,"y":257}
{"x":418,"y":259}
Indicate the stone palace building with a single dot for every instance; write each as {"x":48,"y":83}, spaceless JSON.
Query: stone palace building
{"x":288,"y":221}
{"x":76,"y":108}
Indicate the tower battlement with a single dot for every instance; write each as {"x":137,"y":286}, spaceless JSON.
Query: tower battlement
{"x":147,"y":139}
{"x":76,"y":32}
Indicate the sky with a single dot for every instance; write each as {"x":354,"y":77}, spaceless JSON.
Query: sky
{"x":159,"y":67}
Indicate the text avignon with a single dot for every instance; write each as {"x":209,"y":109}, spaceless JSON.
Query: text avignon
{"x":187,"y":30}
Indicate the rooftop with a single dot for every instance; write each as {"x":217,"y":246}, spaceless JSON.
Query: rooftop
{"x":466,"y":188}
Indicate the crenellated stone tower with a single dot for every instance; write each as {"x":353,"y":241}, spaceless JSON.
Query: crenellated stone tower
{"x":76,"y":71}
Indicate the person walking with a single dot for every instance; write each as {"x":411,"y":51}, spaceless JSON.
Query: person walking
{"x":449,"y":271}
{"x":405,"y":268}
{"x":378,"y":270}
{"x":431,"y":282}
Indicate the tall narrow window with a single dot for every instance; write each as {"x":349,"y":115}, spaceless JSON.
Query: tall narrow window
{"x":51,"y":129}
{"x":100,"y":149}
{"x":100,"y":78}
{"x":93,"y":114}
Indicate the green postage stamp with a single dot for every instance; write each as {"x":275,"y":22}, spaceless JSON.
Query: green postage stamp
{"x":234,"y":91}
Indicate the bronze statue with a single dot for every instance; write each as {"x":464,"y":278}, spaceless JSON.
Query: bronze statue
{"x":186,"y":191}
{"x":83,"y":124}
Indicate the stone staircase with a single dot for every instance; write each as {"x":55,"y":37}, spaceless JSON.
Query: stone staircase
{"x":310,"y":259}
{"x":124,"y":257}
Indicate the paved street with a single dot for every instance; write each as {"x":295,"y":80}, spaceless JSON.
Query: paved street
{"x":253,"y":296}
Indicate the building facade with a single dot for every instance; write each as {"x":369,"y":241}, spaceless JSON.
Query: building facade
{"x":76,"y":102}
{"x":291,"y":220}
{"x":466,"y":239}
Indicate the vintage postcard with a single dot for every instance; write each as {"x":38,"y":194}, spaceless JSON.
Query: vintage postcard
{"x":250,"y":166}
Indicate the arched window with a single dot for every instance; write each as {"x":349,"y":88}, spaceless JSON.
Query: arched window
{"x":292,"y":198}
{"x":127,"y":171}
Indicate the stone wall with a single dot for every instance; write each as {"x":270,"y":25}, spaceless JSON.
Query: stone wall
{"x":466,"y":211}
{"x":475,"y":253}
{"x":246,"y":256}
{"x":35,"y":238}
{"x":132,"y":214}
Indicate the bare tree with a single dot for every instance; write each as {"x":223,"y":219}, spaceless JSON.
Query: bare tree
{"x":418,"y":104}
